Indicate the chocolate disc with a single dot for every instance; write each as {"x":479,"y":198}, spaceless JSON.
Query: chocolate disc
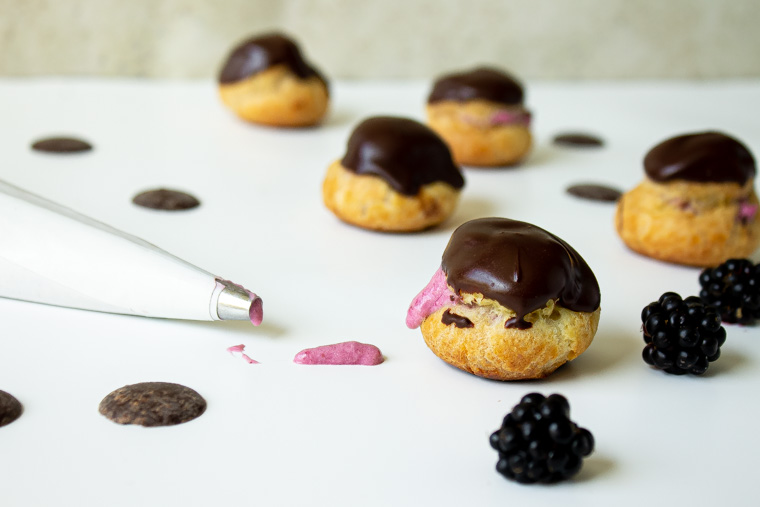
{"x":577,"y":139}
{"x":61,"y":145}
{"x":10,"y":408}
{"x":595,"y":192}
{"x":153,"y":404}
{"x":164,"y":199}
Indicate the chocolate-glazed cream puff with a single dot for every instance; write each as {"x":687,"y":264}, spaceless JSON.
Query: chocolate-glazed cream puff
{"x":266,"y":80}
{"x":697,"y":204}
{"x":397,"y":175}
{"x":510,"y":301}
{"x":480,"y":114}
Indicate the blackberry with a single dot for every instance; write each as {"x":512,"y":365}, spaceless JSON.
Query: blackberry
{"x":537,"y":441}
{"x":734,"y":289}
{"x":681,"y":335}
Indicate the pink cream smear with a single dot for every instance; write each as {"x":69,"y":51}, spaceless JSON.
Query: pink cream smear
{"x":238,"y":349}
{"x":432,"y":298}
{"x":341,"y":353}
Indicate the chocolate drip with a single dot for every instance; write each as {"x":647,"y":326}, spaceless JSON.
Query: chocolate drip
{"x":404,"y":153}
{"x":449,"y":318}
{"x":594,"y":192}
{"x":61,"y":145}
{"x":483,"y":256}
{"x":482,"y":83}
{"x":708,"y":157}
{"x":260,"y":53}
{"x":578,"y":139}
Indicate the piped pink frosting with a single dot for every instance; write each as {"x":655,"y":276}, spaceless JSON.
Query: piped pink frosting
{"x":256,"y":311}
{"x":341,"y":353}
{"x":238,"y":349}
{"x":432,"y":298}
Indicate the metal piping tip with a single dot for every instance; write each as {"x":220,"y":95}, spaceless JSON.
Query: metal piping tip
{"x":234,"y":302}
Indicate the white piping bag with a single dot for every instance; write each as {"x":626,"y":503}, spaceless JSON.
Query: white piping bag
{"x":53,"y":255}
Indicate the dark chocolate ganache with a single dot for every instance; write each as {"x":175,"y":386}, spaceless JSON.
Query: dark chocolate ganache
{"x":260,"y":53}
{"x":577,"y":139}
{"x":594,"y":192}
{"x":10,"y":408}
{"x":164,"y":199}
{"x":708,"y":157}
{"x":519,"y":265}
{"x":482,"y":83}
{"x":61,"y":145}
{"x":404,"y":153}
{"x":459,"y":321}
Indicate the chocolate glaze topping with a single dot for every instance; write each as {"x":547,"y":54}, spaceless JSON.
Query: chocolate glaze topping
{"x":61,"y":145}
{"x":708,"y":157}
{"x":459,"y":321}
{"x":482,"y":83}
{"x":260,"y":53}
{"x":404,"y":153}
{"x":519,"y":265}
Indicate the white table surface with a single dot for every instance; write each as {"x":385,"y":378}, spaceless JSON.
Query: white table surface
{"x":412,"y":431}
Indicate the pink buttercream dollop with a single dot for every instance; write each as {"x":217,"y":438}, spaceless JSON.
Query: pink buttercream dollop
{"x":238,"y":349}
{"x":432,"y":298}
{"x":341,"y":353}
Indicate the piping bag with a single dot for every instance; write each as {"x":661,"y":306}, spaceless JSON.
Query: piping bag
{"x":53,"y":255}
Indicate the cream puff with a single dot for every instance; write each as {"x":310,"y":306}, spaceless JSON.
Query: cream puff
{"x":480,"y":114}
{"x":266,"y":80}
{"x":510,"y":301}
{"x":697,"y":204}
{"x":397,"y":175}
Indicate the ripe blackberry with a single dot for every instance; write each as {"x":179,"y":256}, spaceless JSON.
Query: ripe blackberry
{"x":537,"y":441}
{"x":734,"y":289}
{"x":682,"y":335}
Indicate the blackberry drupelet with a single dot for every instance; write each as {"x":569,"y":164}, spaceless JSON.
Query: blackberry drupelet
{"x":681,"y":335}
{"x":734,"y":289}
{"x":537,"y":441}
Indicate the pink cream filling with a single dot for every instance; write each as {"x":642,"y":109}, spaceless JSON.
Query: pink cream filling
{"x":747,"y":211}
{"x":499,"y":118}
{"x":341,"y":353}
{"x":238,"y":349}
{"x":432,"y":298}
{"x":504,"y":117}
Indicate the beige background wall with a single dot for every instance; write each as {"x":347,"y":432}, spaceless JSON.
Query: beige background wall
{"x":388,"y":38}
